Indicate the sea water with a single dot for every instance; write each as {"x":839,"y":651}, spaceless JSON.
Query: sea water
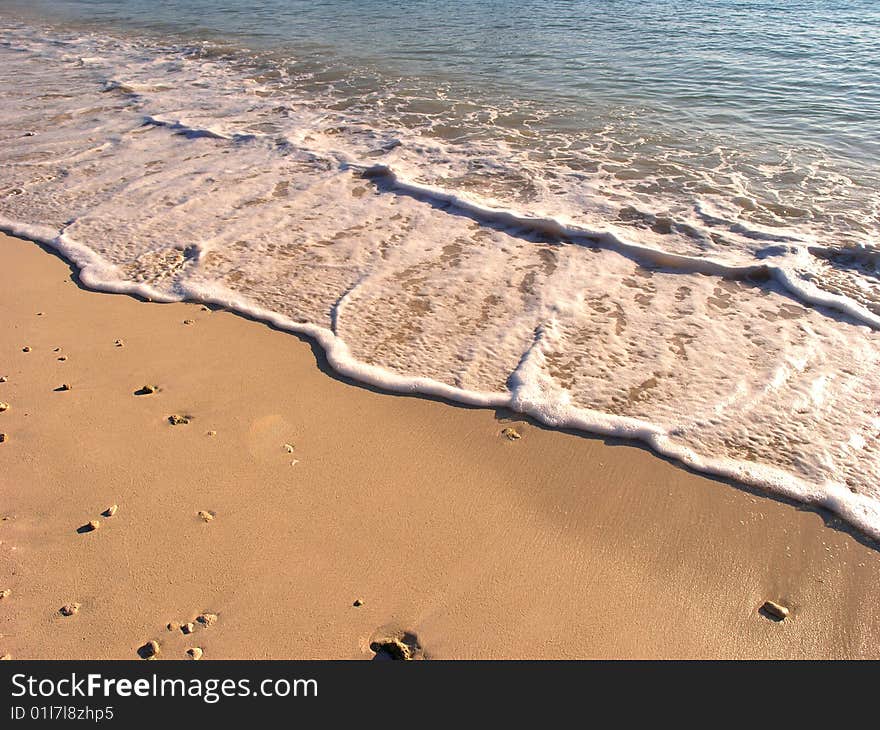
{"x":652,"y":219}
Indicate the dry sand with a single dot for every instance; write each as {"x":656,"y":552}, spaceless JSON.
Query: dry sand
{"x":552,"y":546}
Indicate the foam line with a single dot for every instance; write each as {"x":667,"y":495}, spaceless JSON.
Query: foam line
{"x":93,"y":270}
{"x":556,"y":230}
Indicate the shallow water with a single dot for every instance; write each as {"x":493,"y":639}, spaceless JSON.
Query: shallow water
{"x":646,"y":219}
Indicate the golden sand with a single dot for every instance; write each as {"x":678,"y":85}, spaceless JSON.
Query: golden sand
{"x":400,"y":519}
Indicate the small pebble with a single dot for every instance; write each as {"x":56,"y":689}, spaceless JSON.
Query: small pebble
{"x":69,"y":609}
{"x":39,"y":314}
{"x":212,"y":433}
{"x":188,"y":628}
{"x":171,"y":626}
{"x":288,"y":448}
{"x":358,"y":603}
{"x":149,"y":650}
{"x":3,"y":437}
{"x":207,"y":619}
{"x":4,"y":407}
{"x":3,"y":379}
{"x":119,"y":343}
{"x":5,"y":593}
{"x":777,"y":610}
{"x":206,"y":516}
{"x":149,"y":389}
{"x":63,"y":358}
{"x":56,"y":349}
{"x":511,"y":434}
{"x":176,"y":420}
{"x":93,"y":525}
{"x":189,"y":321}
{"x":65,"y":386}
{"x":25,"y":349}
{"x":195,"y":653}
{"x":111,"y":510}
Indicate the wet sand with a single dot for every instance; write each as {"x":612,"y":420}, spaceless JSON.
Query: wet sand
{"x":317,"y":493}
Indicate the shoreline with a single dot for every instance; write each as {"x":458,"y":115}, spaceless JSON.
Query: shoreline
{"x":557,"y":545}
{"x":860,"y":512}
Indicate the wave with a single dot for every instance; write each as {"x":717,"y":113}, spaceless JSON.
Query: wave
{"x":556,"y":230}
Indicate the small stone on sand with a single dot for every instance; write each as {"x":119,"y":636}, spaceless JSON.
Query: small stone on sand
{"x":65,"y":386}
{"x":3,"y":437}
{"x":149,"y":650}
{"x":207,"y":619}
{"x":3,"y":379}
{"x":288,"y":448}
{"x":5,"y":593}
{"x":4,"y":407}
{"x":511,"y":434}
{"x":92,"y":525}
{"x":188,"y":628}
{"x":69,"y":609}
{"x":149,"y":389}
{"x":358,"y":603}
{"x":176,"y":420}
{"x":63,"y":358}
{"x":111,"y":510}
{"x":195,"y":653}
{"x":776,"y":610}
{"x":119,"y":343}
{"x":206,"y":515}
{"x":172,"y":626}
{"x":189,"y":321}
{"x":212,"y":433}
{"x":25,"y":349}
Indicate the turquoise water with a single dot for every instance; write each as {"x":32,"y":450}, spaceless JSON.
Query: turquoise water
{"x":650,"y":219}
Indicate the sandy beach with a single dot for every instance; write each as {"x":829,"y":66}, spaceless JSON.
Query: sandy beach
{"x":317,"y":493}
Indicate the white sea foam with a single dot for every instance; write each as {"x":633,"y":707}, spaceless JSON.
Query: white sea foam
{"x":706,"y":324}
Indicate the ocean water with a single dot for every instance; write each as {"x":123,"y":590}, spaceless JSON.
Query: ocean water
{"x":653,"y":219}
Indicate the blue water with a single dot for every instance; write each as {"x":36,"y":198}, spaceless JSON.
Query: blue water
{"x":795,"y":72}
